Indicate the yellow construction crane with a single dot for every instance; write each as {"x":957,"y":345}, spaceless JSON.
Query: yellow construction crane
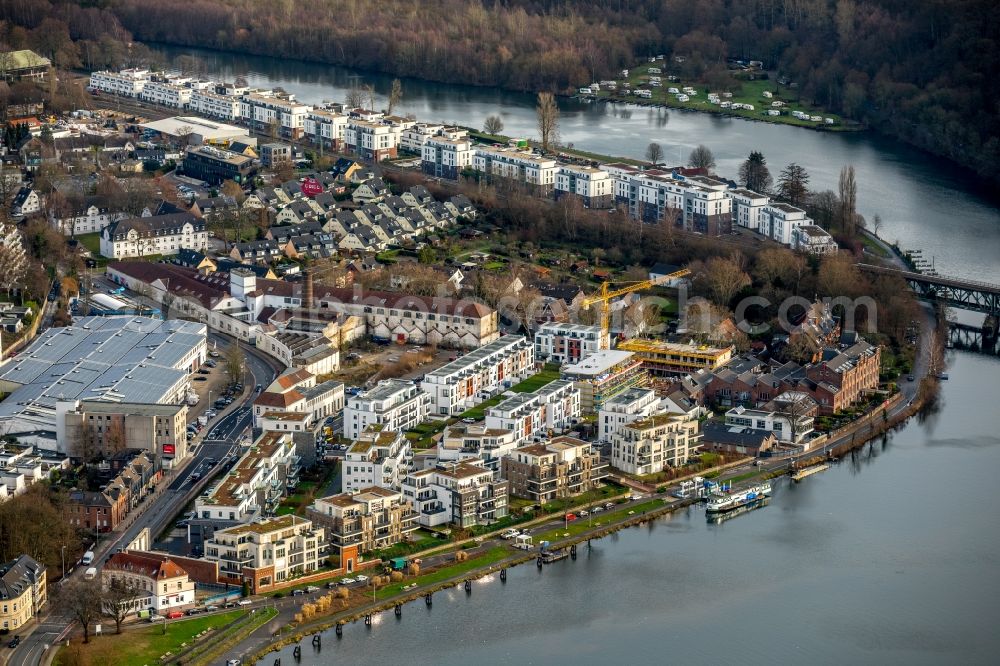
{"x":606,"y":295}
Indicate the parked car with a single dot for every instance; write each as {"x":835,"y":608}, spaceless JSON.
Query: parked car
{"x":14,"y":642}
{"x":245,"y":602}
{"x":611,"y":505}
{"x":195,"y":611}
{"x":296,"y":593}
{"x":312,"y":588}
{"x":361,"y":578}
{"x":509,"y":534}
{"x":209,"y":609}
{"x":347,"y":581}
{"x":173,"y":615}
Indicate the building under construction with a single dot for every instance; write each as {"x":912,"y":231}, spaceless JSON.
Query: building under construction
{"x":672,"y":359}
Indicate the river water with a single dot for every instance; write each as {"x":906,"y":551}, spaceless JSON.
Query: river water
{"x":892,"y":556}
{"x":920,"y":201}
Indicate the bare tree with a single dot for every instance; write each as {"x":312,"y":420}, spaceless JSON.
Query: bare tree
{"x":795,"y":411}
{"x":548,"y":119}
{"x":702,"y":158}
{"x":396,"y":95}
{"x":118,"y":599}
{"x":654,"y":153}
{"x":847,"y":187}
{"x":724,"y":278}
{"x":114,"y":437}
{"x":13,"y":259}
{"x":82,"y":599}
{"x":234,"y":360}
{"x":355,"y":98}
{"x":493,"y":124}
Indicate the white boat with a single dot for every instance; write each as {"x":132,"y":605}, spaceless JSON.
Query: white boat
{"x":733,"y":500}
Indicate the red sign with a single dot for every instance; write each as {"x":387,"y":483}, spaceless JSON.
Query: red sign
{"x":310,"y":187}
{"x":169,"y":449}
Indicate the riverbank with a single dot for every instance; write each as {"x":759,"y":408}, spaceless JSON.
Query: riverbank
{"x":567,"y":535}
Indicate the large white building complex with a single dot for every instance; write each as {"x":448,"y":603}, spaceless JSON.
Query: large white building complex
{"x":109,"y":359}
{"x":479,"y":375}
{"x":568,"y":343}
{"x":464,"y":493}
{"x":394,"y":404}
{"x":552,"y":408}
{"x":648,"y":445}
{"x":379,"y":457}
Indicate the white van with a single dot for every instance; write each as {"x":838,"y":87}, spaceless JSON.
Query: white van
{"x":91,"y":573}
{"x":88,"y":557}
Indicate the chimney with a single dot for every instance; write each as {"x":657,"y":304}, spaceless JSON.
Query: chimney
{"x":307,"y":297}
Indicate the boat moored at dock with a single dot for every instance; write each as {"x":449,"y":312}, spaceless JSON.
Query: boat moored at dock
{"x":734,"y":499}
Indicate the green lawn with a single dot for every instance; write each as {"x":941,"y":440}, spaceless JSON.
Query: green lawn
{"x":91,"y":241}
{"x":549,"y":373}
{"x":750,"y":92}
{"x":581,"y":525}
{"x":420,"y":540}
{"x":444,"y":573}
{"x":145,"y":645}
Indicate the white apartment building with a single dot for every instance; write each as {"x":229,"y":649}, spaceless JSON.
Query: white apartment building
{"x":264,"y":111}
{"x":695,"y":203}
{"x":462,"y":493}
{"x":770,"y":419}
{"x":380,"y":457}
{"x":553,"y":408}
{"x":479,"y":375}
{"x":624,"y":408}
{"x":779,"y":220}
{"x":594,"y":186}
{"x":127,"y":82}
{"x":167,"y":93}
{"x":568,"y":343}
{"x":813,"y":239}
{"x":214,"y":105}
{"x":157,"y":234}
{"x":648,"y":445}
{"x":91,"y":217}
{"x":517,"y":164}
{"x":747,"y":207}
{"x":296,"y":391}
{"x":326,"y":126}
{"x":267,"y":552}
{"x":413,"y":138}
{"x":372,"y":140}
{"x":395,"y":404}
{"x":445,"y":157}
{"x":159,"y":583}
{"x":255,"y":485}
{"x":464,"y":441}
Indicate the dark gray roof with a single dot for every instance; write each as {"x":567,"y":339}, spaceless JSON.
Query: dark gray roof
{"x":18,"y":575}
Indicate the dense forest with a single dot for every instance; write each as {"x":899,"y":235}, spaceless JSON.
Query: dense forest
{"x":925,"y":71}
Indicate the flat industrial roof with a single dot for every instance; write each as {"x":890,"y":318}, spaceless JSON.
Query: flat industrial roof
{"x":598,"y":363}
{"x":110,"y":359}
{"x":207,"y":129}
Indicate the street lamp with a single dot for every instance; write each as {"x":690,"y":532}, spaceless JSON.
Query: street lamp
{"x":63,"y":564}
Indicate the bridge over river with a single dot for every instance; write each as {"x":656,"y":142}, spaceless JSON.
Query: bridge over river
{"x":953,"y":292}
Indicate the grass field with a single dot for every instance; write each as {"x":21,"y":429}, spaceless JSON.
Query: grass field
{"x":91,"y":241}
{"x":746,"y":92}
{"x":581,"y":525}
{"x":444,"y":573}
{"x":144,"y":645}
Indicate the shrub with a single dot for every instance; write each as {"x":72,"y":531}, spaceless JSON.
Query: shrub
{"x":343,"y":593}
{"x":396,"y":576}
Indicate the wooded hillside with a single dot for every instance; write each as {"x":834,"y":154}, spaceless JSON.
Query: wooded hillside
{"x":925,"y":71}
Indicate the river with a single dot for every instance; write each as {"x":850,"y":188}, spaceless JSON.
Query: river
{"x":920,"y":200}
{"x":889,"y":557}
